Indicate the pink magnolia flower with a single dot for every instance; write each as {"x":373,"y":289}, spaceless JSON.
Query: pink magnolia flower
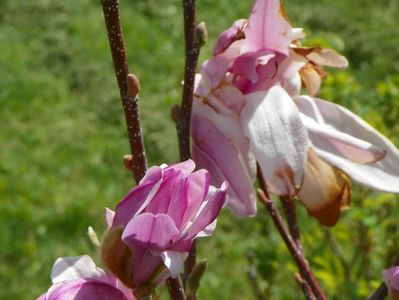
{"x":248,"y":110}
{"x":154,"y":226}
{"x":391,"y":278}
{"x":78,"y":278}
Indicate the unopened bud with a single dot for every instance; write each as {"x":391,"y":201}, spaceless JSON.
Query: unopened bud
{"x":93,"y":236}
{"x":116,"y":255}
{"x":128,"y":161}
{"x":202,"y":34}
{"x":174,"y":113}
{"x":133,"y":86}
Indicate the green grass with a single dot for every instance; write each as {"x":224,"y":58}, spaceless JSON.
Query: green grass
{"x":63,"y":138}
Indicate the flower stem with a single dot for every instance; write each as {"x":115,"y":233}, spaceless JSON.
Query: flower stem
{"x":128,"y":87}
{"x":297,"y":255}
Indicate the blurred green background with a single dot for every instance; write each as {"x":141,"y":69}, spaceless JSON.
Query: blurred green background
{"x":63,"y":138}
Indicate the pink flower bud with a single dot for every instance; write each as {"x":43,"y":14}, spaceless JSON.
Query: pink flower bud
{"x":155,"y":224}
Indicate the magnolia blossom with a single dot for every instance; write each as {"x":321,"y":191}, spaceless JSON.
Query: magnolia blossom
{"x":248,"y":110}
{"x":78,"y":278}
{"x":391,"y":278}
{"x":153,"y":227}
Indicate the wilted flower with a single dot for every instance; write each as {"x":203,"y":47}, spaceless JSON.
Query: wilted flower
{"x":248,"y":109}
{"x":78,"y":278}
{"x":154,"y":226}
{"x":391,"y":278}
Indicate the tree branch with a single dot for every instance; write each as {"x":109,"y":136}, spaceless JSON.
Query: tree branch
{"x":191,"y":58}
{"x":297,"y":255}
{"x":128,"y":87}
{"x":175,"y":288}
{"x":289,"y":207}
{"x":307,"y":291}
{"x":183,"y":127}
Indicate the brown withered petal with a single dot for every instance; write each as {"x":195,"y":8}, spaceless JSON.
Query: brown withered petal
{"x":117,"y":256}
{"x":322,"y":56}
{"x":311,"y":79}
{"x":325,"y":190}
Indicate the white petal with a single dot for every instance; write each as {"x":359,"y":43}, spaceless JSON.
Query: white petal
{"x":382,"y":175}
{"x":326,"y":137}
{"x":173,"y":261}
{"x":277,"y":138}
{"x":74,"y":267}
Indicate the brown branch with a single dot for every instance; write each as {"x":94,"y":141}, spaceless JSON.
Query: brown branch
{"x":382,"y":291}
{"x":191,"y":58}
{"x":296,"y":254}
{"x":183,"y":126}
{"x":307,"y":291}
{"x":289,"y":207}
{"x":175,"y":288}
{"x":128,"y":87}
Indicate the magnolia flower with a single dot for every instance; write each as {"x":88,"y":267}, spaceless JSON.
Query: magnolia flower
{"x":391,"y":278}
{"x":154,"y":226}
{"x":78,"y":278}
{"x":248,"y":109}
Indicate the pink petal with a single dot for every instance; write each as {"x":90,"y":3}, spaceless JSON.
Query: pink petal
{"x":232,"y":163}
{"x":212,"y":73}
{"x":152,"y":175}
{"x":268,"y":28}
{"x":391,"y":277}
{"x":382,"y":175}
{"x":246,"y":65}
{"x":145,"y":265}
{"x":229,"y":36}
{"x":160,"y":201}
{"x":150,"y":231}
{"x":197,"y":188}
{"x":179,"y":201}
{"x":186,"y":167}
{"x":209,"y":213}
{"x":85,"y":289}
{"x":277,"y":137}
{"x":132,"y":203}
{"x":231,"y":98}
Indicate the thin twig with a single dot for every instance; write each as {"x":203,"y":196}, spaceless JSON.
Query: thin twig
{"x":300,"y":260}
{"x":307,"y":291}
{"x":289,"y":207}
{"x":382,"y":291}
{"x":175,"y":288}
{"x":128,"y":87}
{"x":191,"y":58}
{"x":183,"y":126}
